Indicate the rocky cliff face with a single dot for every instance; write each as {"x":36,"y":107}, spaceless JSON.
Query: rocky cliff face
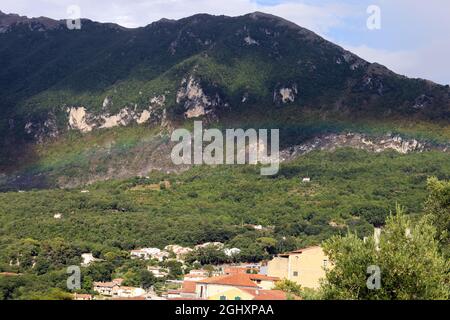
{"x":332,"y":142}
{"x":195,"y":67}
{"x":212,"y":68}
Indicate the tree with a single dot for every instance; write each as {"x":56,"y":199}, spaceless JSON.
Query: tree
{"x":408,"y":257}
{"x":291,"y":288}
{"x":175,"y":268}
{"x":437,"y":207}
{"x":147,"y":279}
{"x":268,"y":244}
{"x":207,"y":255}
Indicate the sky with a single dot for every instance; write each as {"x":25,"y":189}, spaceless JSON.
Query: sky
{"x":412,"y":38}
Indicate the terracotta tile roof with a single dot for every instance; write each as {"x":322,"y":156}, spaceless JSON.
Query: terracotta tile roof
{"x":263,"y":277}
{"x":128,"y":288}
{"x":237,"y":279}
{"x":188,"y":287}
{"x":231,"y":270}
{"x":266,"y":294}
{"x":105,"y":284}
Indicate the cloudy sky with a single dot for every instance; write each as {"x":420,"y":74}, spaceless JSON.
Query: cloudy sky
{"x":413,"y":39}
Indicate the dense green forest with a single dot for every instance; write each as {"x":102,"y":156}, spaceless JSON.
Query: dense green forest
{"x":349,"y":190}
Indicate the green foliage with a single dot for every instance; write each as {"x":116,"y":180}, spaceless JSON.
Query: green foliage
{"x":408,"y":256}
{"x":438,"y":209}
{"x":350,"y":190}
{"x":207,"y":255}
{"x":291,"y":288}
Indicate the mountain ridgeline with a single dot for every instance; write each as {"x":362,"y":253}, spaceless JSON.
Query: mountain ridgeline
{"x":85,"y":87}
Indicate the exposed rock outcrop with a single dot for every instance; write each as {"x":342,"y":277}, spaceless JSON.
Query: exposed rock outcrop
{"x":332,"y":142}
{"x":80,"y":119}
{"x":43,"y":130}
{"x":194,"y":100}
{"x":285,"y":95}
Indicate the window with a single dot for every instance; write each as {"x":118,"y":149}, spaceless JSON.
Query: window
{"x":223,"y":298}
{"x":295,"y":273}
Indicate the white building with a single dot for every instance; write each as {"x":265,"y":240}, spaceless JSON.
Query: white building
{"x":149,"y":253}
{"x":128,"y":292}
{"x":179,"y":251}
{"x":157,"y":271}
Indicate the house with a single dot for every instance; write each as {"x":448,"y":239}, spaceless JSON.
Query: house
{"x":79,"y":296}
{"x":196,"y":275}
{"x":57,"y":216}
{"x":306,"y":179}
{"x":179,"y":251}
{"x":140,"y":254}
{"x":240,"y":269}
{"x":151,"y":295}
{"x":305,"y":266}
{"x":149,"y":253}
{"x":266,"y":294}
{"x":250,"y":294}
{"x":199,"y":272}
{"x":264,"y":282}
{"x":115,"y":289}
{"x":187,"y":291}
{"x":106,"y":288}
{"x":128,"y":292}
{"x":211,"y":287}
{"x":160,"y":256}
{"x":118,"y":281}
{"x":158,"y":272}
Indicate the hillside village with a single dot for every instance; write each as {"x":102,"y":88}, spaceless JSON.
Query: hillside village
{"x":239,"y":281}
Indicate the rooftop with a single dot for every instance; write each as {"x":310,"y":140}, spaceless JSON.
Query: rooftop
{"x":236,"y":279}
{"x":188,"y":287}
{"x":266,"y":294}
{"x":299,"y":251}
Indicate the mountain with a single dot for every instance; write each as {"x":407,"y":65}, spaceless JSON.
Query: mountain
{"x":96,"y":103}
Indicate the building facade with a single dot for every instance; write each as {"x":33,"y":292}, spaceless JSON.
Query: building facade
{"x":305,"y":266}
